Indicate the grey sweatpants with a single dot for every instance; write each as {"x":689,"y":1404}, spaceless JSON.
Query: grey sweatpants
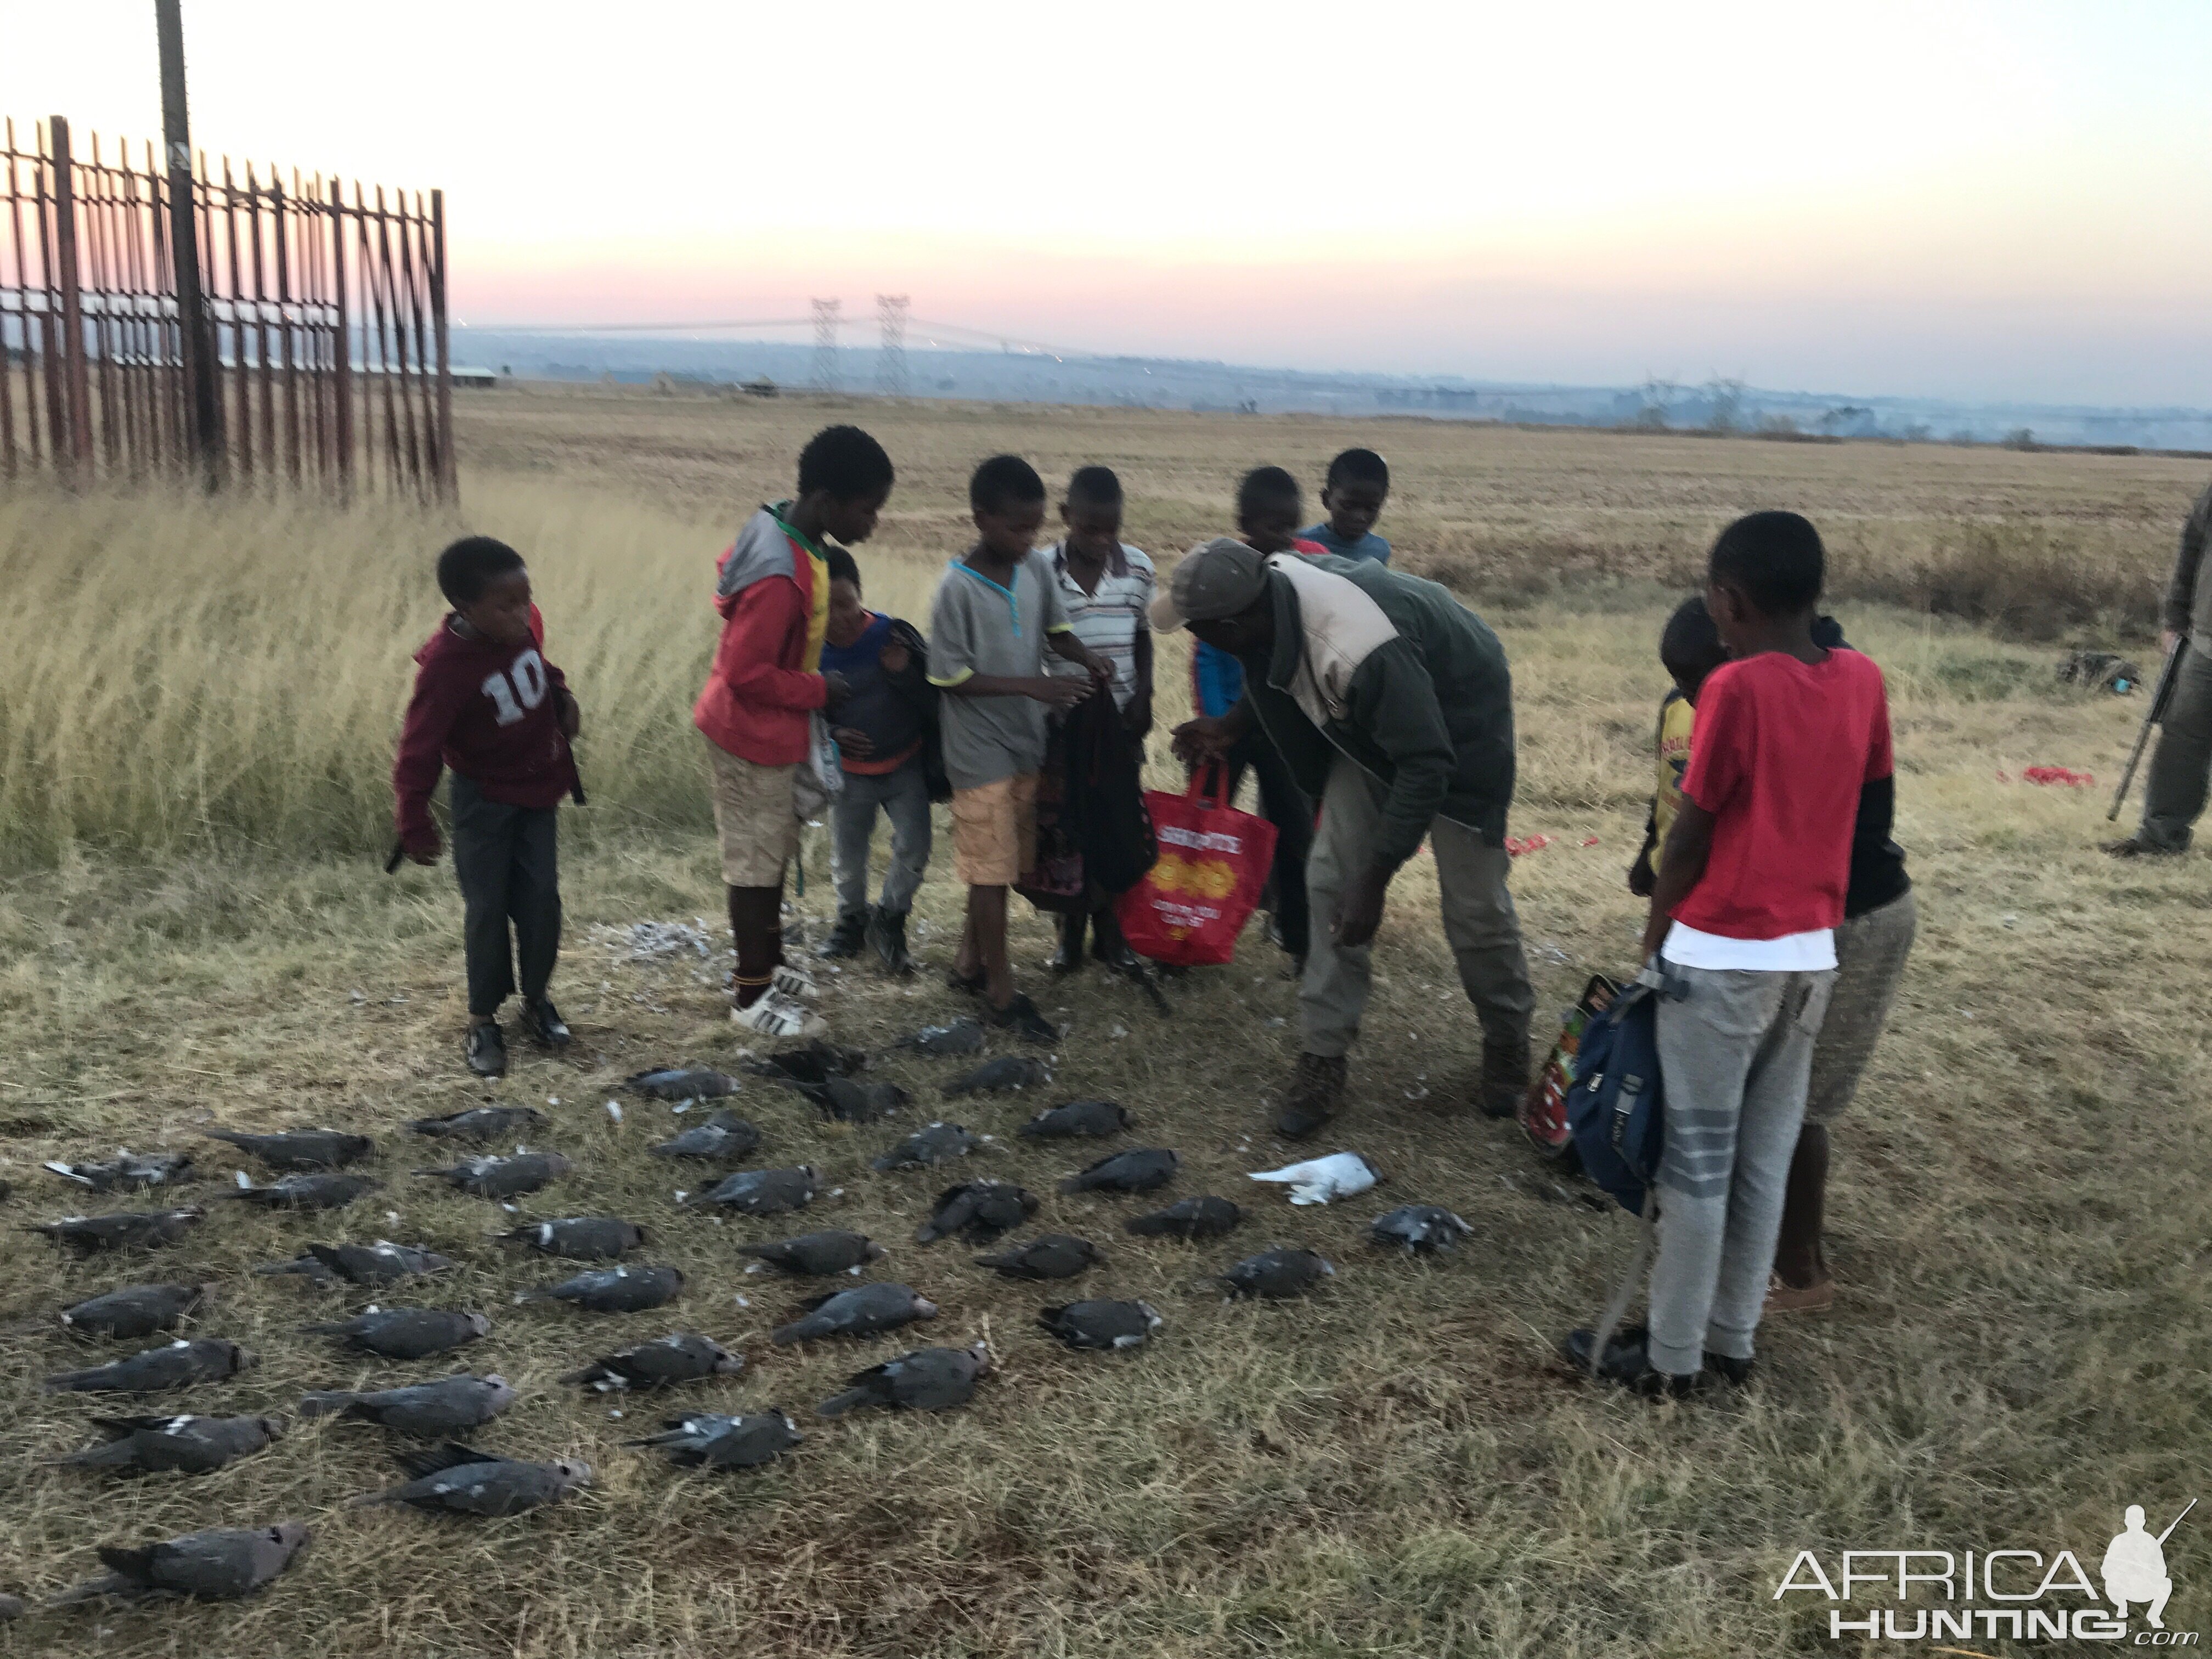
{"x":2173,"y":796}
{"x":1735,"y":1051}
{"x":1479,"y":924}
{"x":904,"y":796}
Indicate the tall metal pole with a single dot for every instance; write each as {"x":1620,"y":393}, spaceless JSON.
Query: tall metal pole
{"x":202,"y":404}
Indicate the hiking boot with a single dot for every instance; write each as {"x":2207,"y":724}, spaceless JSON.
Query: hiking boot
{"x":1627,"y":1364}
{"x":1068,"y":957}
{"x":542,"y":1021}
{"x":487,"y":1049}
{"x":846,"y":937}
{"x":1021,"y":1016}
{"x":772,"y":1014}
{"x":1317,"y":1095}
{"x":1504,"y":1078}
{"x":2134,"y":847}
{"x":1782,"y":1297}
{"x":887,"y":938}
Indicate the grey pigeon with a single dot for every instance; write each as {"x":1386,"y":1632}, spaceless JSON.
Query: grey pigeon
{"x":481,"y":1123}
{"x":723,"y":1135}
{"x":1204,"y":1217}
{"x":503,"y":1177}
{"x":765,"y":1191}
{"x":682,"y":1083}
{"x":865,"y":1310}
{"x":175,"y":1445}
{"x":312,"y":1191}
{"x":962,"y":1037}
{"x":1102,"y":1324}
{"x":1138,"y":1170}
{"x":1278,"y":1274}
{"x":137,"y":1310}
{"x":1424,"y":1227}
{"x":937,"y":1144}
{"x":579,"y":1238}
{"x":127,"y":1171}
{"x":1095,"y":1119}
{"x":1053,"y":1256}
{"x":928,"y":1379}
{"x":457,"y":1479}
{"x":217,"y":1565}
{"x":981,"y":1209}
{"x":993,"y":1076}
{"x":299,"y":1149}
{"x":451,"y":1405}
{"x":126,"y":1230}
{"x":817,"y":1254}
{"x":848,"y":1102}
{"x":373,"y":1265}
{"x":712,"y":1441}
{"x":175,"y":1365}
{"x":407,"y":1333}
{"x":811,"y":1063}
{"x":676,"y":1357}
{"x":613,"y":1290}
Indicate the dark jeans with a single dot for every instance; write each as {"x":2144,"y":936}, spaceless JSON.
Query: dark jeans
{"x":505,"y":859}
{"x":1283,"y":804}
{"x":2174,"y":795}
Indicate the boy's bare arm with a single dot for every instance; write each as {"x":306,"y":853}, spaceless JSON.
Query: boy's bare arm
{"x":1068,"y":648}
{"x":1059,"y":694}
{"x":1689,"y":844}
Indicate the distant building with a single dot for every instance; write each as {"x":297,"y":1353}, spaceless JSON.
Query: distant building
{"x":473,"y":377}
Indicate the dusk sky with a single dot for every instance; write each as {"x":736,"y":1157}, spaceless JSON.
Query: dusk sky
{"x":1969,"y":200}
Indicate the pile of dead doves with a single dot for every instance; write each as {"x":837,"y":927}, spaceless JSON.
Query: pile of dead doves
{"x":313,"y":1170}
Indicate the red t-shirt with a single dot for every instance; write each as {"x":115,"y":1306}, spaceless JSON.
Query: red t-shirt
{"x":1782,"y":749}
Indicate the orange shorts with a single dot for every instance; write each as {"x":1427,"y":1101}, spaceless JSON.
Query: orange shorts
{"x":994,"y":831}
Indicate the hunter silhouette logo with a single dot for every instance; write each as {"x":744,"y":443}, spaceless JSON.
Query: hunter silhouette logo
{"x":2135,"y":1567}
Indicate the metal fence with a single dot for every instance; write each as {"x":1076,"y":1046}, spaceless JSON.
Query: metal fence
{"x":322,"y":336}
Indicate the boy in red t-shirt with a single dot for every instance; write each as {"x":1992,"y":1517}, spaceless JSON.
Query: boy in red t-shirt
{"x":1753,"y":877}
{"x":490,"y":709}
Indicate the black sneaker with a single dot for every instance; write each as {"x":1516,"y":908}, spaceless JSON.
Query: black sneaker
{"x":1021,"y":1015}
{"x":1627,"y":1364}
{"x":887,"y":938}
{"x":847,"y":937}
{"x":487,"y":1050}
{"x":542,"y":1021}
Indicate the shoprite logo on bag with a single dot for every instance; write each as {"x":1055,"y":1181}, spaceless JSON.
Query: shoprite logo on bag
{"x":2019,"y":1594}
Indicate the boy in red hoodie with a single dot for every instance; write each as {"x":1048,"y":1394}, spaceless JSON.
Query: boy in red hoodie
{"x":757,"y":706}
{"x":490,"y":709}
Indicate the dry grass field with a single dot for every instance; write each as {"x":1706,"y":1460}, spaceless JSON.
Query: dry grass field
{"x":197,"y":704}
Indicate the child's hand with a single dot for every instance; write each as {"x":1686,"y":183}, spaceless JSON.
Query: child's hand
{"x":1101,"y":670}
{"x":838,"y":687}
{"x":1062,"y":694}
{"x":1641,"y":880}
{"x":895,"y":659}
{"x":853,"y":743}
{"x":1206,"y":738}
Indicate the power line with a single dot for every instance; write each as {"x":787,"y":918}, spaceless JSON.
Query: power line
{"x":640,"y":328}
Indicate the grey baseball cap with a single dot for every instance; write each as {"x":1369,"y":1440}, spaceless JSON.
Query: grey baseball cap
{"x":1216,"y":578}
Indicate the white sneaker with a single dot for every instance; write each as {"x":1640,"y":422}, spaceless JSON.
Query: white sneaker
{"x":773,"y":1014}
{"x":794,"y":981}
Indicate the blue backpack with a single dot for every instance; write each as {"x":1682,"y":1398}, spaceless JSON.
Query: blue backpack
{"x":1615,"y":1111}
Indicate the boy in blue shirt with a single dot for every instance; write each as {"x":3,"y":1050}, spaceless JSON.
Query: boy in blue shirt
{"x":1357,"y":485}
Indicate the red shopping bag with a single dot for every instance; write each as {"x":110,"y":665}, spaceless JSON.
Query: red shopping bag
{"x":1214,"y":860}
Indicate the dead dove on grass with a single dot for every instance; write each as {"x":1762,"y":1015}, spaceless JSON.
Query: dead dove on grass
{"x":712,"y":1441}
{"x":174,"y":1445}
{"x":927,"y":1380}
{"x":407,"y":1333}
{"x":765,"y":1191}
{"x":175,"y":1365}
{"x":127,"y":1171}
{"x":982,"y":1210}
{"x":723,"y":1135}
{"x":1138,"y":1170}
{"x":1095,"y":1119}
{"x":962,"y":1037}
{"x":682,"y":1083}
{"x":315,"y":1191}
{"x":865,"y":1310}
{"x":299,"y":1149}
{"x":1102,"y":1324}
{"x":503,"y":1177}
{"x":457,"y":1479}
{"x":613,"y":1290}
{"x":217,"y":1565}
{"x":937,"y":1144}
{"x":1204,"y":1217}
{"x":1422,"y":1227}
{"x":995,"y":1076}
{"x":380,"y":1263}
{"x":451,"y":1405}
{"x":137,"y":1310}
{"x":578,"y":1238}
{"x":480,"y":1124}
{"x":126,"y":1230}
{"x":811,"y":1063}
{"x":848,"y":1102}
{"x":816,"y":1254}
{"x":679,"y":1357}
{"x":1277,"y":1275}
{"x":1053,"y":1256}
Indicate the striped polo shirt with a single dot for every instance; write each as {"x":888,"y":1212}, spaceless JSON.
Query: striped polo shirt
{"x":1109,"y":620}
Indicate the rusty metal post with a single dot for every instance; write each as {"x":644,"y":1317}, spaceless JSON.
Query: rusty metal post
{"x":449,"y":487}
{"x":78,"y":392}
{"x":203,"y":408}
{"x":341,"y":363}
